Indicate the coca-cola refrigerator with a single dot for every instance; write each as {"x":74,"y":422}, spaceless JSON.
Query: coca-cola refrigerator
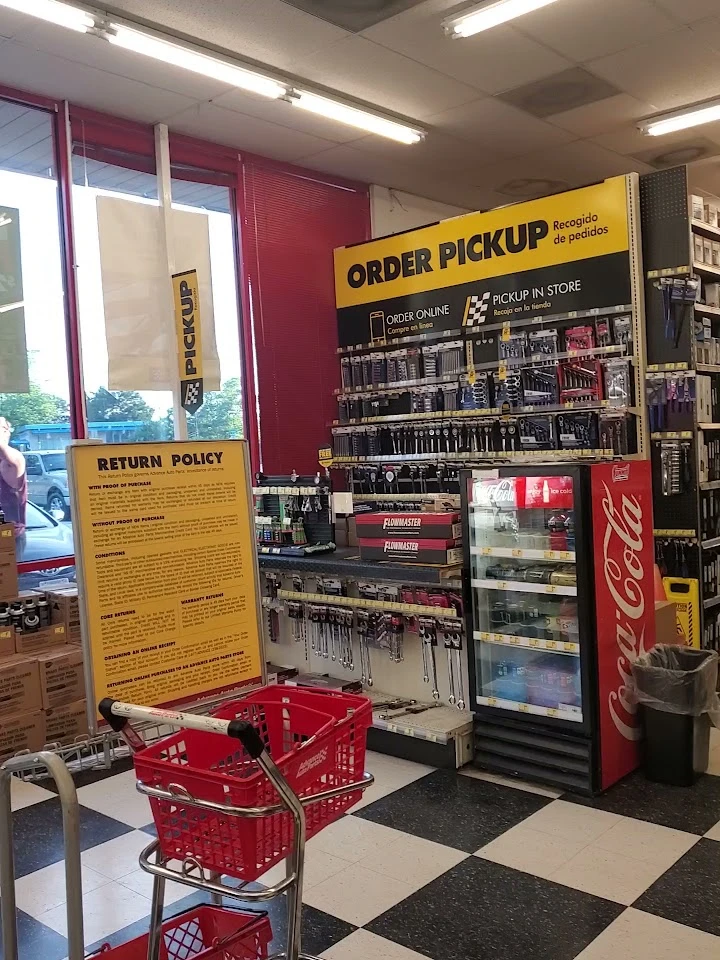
{"x":560,"y":565}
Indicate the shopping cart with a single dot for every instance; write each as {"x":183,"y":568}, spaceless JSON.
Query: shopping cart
{"x":223,"y":806}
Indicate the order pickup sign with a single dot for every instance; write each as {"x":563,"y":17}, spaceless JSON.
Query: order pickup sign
{"x":189,"y":339}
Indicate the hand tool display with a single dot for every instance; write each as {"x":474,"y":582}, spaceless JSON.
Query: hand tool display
{"x":676,"y":556}
{"x":293,"y":514}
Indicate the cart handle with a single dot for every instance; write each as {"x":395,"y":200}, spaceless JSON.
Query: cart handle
{"x":116,"y":714}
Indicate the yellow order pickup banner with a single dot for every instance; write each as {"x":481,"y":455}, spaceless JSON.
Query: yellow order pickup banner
{"x":186,"y":299}
{"x":167,"y":570}
{"x":576,"y":225}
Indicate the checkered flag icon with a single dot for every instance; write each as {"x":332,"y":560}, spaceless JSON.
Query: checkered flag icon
{"x":476,"y":309}
{"x":192,"y":394}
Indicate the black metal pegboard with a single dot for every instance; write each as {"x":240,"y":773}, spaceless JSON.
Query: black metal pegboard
{"x":665,"y":219}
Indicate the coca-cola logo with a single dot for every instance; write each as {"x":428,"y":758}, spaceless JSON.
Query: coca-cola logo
{"x":624,"y":573}
{"x":490,"y":494}
{"x":620,"y":471}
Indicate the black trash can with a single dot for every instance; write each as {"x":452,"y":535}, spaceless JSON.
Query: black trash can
{"x":676,"y":691}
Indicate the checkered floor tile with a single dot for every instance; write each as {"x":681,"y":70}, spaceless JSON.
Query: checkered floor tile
{"x":431,"y":863}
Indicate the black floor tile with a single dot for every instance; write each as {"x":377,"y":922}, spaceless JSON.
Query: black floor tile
{"x":36,"y":941}
{"x":320,"y":931}
{"x":693,"y":809}
{"x":482,"y":909}
{"x":86,"y":777}
{"x":150,"y":829}
{"x":453,"y":809}
{"x":38,"y":834}
{"x":689,"y":892}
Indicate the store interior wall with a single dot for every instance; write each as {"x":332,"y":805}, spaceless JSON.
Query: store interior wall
{"x":394,"y":211}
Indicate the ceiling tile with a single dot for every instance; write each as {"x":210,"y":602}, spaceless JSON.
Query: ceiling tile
{"x":709,"y":31}
{"x":353,"y":15}
{"x":347,"y":161}
{"x":98,"y":53}
{"x":563,"y":91}
{"x":603,"y":115}
{"x":28,"y":69}
{"x":576,"y":164}
{"x":13,"y":24}
{"x":490,"y":61}
{"x":671,"y":71}
{"x":690,"y":150}
{"x":500,"y":130}
{"x":438,"y":153}
{"x":686,"y":11}
{"x":369,"y":72}
{"x":269,"y":31}
{"x":584,"y":31}
{"x":278,"y":111}
{"x":705,"y":178}
{"x":633,"y":142}
{"x":209,"y":122}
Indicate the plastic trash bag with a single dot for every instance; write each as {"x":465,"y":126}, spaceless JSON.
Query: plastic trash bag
{"x":677,"y":679}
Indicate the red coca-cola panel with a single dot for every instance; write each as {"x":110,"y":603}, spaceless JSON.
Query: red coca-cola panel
{"x":624,"y":557}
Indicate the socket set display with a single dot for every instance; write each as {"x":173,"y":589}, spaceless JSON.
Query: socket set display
{"x":675,"y":470}
{"x":582,"y":430}
{"x":398,"y":366}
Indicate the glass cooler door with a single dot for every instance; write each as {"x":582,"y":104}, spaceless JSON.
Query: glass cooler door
{"x":524,"y":593}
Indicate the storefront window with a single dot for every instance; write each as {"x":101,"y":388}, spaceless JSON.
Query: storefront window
{"x":220,"y":417}
{"x":34,"y":388}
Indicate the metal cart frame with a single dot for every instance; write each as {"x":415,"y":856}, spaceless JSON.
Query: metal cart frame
{"x":191,"y":872}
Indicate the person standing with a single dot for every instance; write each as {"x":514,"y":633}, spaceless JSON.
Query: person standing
{"x":13,"y":483}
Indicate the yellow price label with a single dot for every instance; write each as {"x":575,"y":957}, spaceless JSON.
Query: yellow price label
{"x":532,"y":641}
{"x":484,"y":636}
{"x":550,"y":644}
{"x":492,"y":702}
{"x":505,"y":334}
{"x":551,"y":712}
{"x":564,"y":554}
{"x":570,"y":646}
{"x":523,"y":707}
{"x":513,"y":640}
{"x":485,"y":551}
{"x":551,"y":588}
{"x":549,"y":554}
{"x":501,"y":585}
{"x":517,"y":553}
{"x":502,"y":371}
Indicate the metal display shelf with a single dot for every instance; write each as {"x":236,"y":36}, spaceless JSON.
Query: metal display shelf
{"x":706,"y":268}
{"x":477,"y":459}
{"x":529,"y":708}
{"x":398,"y":386}
{"x":531,"y":643}
{"x":524,"y":553}
{"x":708,"y":308}
{"x":439,"y":737}
{"x":520,"y":586}
{"x":699,"y":226}
{"x":360,"y":603}
{"x":345,"y":563}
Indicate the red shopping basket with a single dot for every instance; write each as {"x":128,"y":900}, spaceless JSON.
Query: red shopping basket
{"x":205,"y":933}
{"x":316,"y":738}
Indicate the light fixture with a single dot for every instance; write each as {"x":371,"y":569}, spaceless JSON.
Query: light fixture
{"x":53,"y":11}
{"x":489,"y":14}
{"x":189,"y":59}
{"x":694,"y":116}
{"x":355,"y":117}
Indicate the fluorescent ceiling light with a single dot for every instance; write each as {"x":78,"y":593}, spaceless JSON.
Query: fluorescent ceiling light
{"x":356,"y":117}
{"x":682,"y":119}
{"x":489,"y":15}
{"x":189,"y":59}
{"x":51,"y":10}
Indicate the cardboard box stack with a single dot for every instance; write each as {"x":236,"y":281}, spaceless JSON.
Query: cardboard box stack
{"x":427,"y":537}
{"x":42,"y":683}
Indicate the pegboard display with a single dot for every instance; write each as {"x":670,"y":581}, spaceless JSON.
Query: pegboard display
{"x":681,"y":239}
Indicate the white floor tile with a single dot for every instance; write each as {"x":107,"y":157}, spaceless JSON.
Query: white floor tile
{"x":413,"y":860}
{"x":141,"y":882}
{"x":531,"y":851}
{"x":639,"y":936}
{"x":714,"y":834}
{"x":25,"y":794}
{"x":537,"y":788}
{"x":38,"y":892}
{"x":571,"y":821}
{"x":105,"y":910}
{"x":118,"y":857}
{"x":391,"y":774}
{"x":613,"y":876}
{"x":353,"y":839}
{"x":357,"y":895}
{"x":363,"y":945}
{"x":319,"y":866}
{"x":648,"y":842}
{"x":118,"y":798}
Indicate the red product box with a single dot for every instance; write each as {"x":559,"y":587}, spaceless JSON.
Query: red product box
{"x":421,"y":526}
{"x":442,"y":552}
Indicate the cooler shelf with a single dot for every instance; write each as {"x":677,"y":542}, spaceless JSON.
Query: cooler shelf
{"x":531,"y":643}
{"x":522,"y":587}
{"x":524,"y":553}
{"x":567,"y":714}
